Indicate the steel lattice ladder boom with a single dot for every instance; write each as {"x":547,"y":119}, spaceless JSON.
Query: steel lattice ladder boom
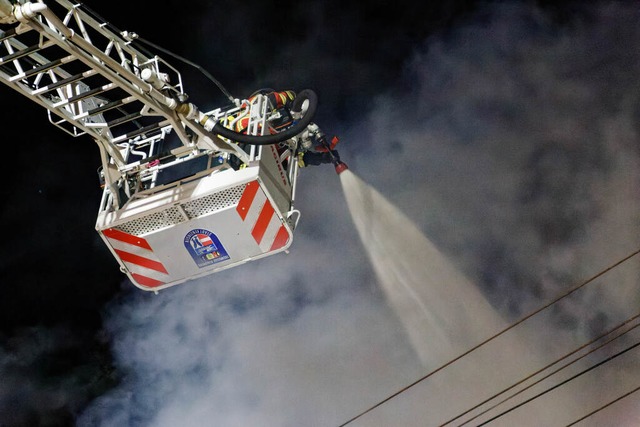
{"x":93,"y":81}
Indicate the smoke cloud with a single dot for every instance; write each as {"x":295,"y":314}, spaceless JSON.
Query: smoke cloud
{"x":511,"y":142}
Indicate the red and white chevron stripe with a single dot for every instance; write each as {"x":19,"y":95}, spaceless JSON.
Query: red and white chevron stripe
{"x":136,"y":253}
{"x":256,"y":210}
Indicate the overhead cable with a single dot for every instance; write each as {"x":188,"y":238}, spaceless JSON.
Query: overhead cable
{"x":590,"y":368}
{"x":491,"y":338}
{"x":593,"y":350}
{"x":604,"y":406}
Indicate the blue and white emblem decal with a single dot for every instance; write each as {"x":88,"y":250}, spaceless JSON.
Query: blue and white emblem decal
{"x":204,"y":247}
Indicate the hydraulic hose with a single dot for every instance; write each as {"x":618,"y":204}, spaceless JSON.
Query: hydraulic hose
{"x":298,"y":127}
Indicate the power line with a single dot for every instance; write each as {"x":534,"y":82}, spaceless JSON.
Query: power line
{"x":604,"y":406}
{"x":590,"y":368}
{"x":491,"y":338}
{"x":609,"y":341}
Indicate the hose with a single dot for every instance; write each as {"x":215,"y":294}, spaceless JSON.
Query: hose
{"x":298,"y":127}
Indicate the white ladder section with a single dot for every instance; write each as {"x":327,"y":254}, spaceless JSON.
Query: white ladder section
{"x":93,"y":81}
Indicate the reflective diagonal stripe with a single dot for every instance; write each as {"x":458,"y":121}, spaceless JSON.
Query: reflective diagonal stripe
{"x":146,"y":281}
{"x":282,"y":237}
{"x":112,"y":233}
{"x":141,"y":261}
{"x":246,"y":200}
{"x":266,"y":214}
{"x":138,"y":256}
{"x":259,"y":214}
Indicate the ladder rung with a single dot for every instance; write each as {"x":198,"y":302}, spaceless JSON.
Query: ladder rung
{"x":4,"y":35}
{"x":105,"y":107}
{"x":19,"y":54}
{"x":88,"y":93}
{"x":142,"y":130}
{"x":39,"y":69}
{"x":60,"y":83}
{"x":123,"y":119}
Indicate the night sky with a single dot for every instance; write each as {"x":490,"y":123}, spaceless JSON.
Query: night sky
{"x":507,"y":131}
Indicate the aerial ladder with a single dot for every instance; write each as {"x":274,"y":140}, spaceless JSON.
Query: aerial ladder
{"x":186,"y":193}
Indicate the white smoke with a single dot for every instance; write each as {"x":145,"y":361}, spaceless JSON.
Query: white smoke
{"x":515,"y":149}
{"x":521,"y":138}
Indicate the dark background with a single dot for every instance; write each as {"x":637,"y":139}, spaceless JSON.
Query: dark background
{"x":56,"y":275}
